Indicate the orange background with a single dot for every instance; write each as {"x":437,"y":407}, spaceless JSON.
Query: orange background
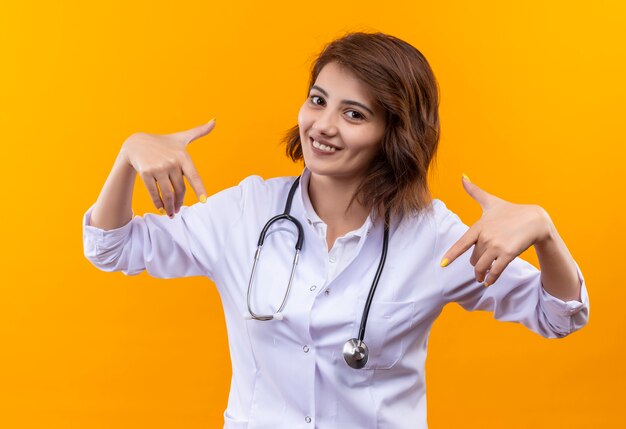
{"x":532,"y":97}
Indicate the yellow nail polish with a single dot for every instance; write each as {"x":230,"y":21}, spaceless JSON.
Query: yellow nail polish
{"x":203,"y":198}
{"x":162,"y":211}
{"x":212,"y":120}
{"x":486,"y":284}
{"x":466,"y":178}
{"x":444,"y":262}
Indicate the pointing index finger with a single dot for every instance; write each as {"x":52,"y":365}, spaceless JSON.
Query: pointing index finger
{"x":462,"y":244}
{"x":193,"y":177}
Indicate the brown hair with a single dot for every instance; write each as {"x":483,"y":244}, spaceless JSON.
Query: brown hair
{"x":402,"y":82}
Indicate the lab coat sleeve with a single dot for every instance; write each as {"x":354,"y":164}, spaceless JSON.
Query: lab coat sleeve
{"x":190,"y":244}
{"x":517,"y":295}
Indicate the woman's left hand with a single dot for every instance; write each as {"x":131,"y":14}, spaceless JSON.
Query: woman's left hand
{"x":502,"y":233}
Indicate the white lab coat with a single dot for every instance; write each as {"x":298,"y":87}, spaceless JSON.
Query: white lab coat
{"x":291,"y":373}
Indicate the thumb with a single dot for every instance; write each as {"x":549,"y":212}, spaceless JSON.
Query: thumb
{"x":196,"y":132}
{"x":482,"y":197}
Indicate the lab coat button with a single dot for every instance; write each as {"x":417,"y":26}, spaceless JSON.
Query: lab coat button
{"x":307,"y":419}
{"x":312,"y":288}
{"x":306,"y":349}
{"x":327,"y":291}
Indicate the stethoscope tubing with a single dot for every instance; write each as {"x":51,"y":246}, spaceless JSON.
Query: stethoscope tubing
{"x":355,"y":350}
{"x":299,"y":242}
{"x":379,"y":271}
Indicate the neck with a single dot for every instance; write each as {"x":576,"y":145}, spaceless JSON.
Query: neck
{"x":330,"y":197}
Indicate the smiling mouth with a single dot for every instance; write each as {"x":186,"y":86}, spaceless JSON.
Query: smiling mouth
{"x":322,"y":146}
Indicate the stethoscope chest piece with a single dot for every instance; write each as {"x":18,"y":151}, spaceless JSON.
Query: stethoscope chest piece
{"x":355,"y":353}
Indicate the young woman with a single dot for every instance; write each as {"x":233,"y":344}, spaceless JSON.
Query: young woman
{"x":335,"y":334}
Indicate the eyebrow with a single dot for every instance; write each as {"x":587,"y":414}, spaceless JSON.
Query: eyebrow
{"x":350,"y":102}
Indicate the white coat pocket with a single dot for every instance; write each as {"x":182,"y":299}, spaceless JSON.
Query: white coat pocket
{"x":386,"y":332}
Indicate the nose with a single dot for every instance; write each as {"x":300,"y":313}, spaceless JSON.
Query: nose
{"x":325,"y":122}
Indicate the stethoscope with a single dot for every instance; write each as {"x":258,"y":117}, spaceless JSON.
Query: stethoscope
{"x":355,"y":351}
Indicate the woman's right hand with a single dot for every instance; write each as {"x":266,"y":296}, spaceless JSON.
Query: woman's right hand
{"x":162,"y":161}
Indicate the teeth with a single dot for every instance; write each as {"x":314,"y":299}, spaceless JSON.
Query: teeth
{"x":323,"y":147}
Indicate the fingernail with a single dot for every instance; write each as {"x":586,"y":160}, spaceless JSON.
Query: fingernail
{"x":212,"y":120}
{"x":444,"y":262}
{"x":171,"y":216}
{"x":466,"y":178}
{"x":486,"y":284}
{"x":203,"y":198}
{"x":162,"y":211}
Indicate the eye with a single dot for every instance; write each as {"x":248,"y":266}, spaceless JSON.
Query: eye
{"x":317,"y":100}
{"x":353,"y":114}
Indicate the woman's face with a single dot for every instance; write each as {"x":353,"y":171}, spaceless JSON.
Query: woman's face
{"x":341,"y":125}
